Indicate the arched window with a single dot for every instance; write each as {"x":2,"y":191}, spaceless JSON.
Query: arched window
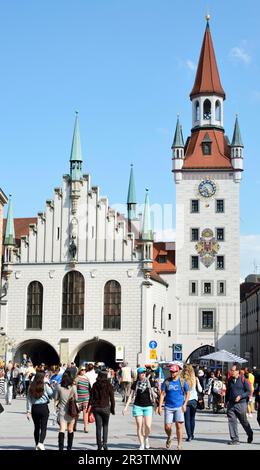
{"x":154,"y":316}
{"x":177,"y":153}
{"x":112,"y":305}
{"x":73,"y":301}
{"x":207,"y":110}
{"x":197,"y":111}
{"x":217,"y":111}
{"x":162,"y":319}
{"x":34,"y":306}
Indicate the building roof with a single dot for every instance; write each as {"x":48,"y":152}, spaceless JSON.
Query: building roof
{"x":247,"y":289}
{"x":3,"y":197}
{"x":21,"y":227}
{"x":160,"y":249}
{"x":156,"y":277}
{"x":76,"y":154}
{"x":207,"y":79}
{"x":220,"y":151}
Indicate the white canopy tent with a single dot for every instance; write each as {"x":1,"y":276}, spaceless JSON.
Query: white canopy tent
{"x":223,"y":356}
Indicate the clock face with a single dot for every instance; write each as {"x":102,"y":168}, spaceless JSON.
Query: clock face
{"x":207,"y":188}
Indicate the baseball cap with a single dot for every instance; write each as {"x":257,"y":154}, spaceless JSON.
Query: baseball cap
{"x":141,"y":370}
{"x":174,"y":368}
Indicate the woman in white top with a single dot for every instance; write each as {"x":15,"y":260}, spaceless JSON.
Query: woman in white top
{"x":194,"y":387}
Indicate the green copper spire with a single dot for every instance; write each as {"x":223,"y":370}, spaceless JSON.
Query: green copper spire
{"x":237,"y":140}
{"x":131,"y":197}
{"x":9,"y":229}
{"x":76,"y":155}
{"x":178,"y":137}
{"x":147,"y":233}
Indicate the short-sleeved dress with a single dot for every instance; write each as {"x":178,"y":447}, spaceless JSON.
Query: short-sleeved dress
{"x":83,"y":389}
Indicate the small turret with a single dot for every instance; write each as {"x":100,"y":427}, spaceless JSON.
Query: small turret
{"x":9,"y":239}
{"x":75,"y":166}
{"x":177,"y":150}
{"x":131,"y":199}
{"x":237,"y":147}
{"x":147,"y":238}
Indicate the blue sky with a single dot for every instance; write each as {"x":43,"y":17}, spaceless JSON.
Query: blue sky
{"x":128,"y":67}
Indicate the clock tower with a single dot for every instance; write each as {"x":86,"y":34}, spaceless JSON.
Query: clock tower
{"x":207,"y":172}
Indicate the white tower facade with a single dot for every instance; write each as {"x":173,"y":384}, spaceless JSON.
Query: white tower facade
{"x":207,"y":223}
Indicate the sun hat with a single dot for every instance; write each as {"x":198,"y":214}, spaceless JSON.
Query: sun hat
{"x":174,"y":368}
{"x":141,"y":370}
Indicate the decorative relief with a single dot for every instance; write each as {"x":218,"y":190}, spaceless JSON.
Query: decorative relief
{"x":207,"y":247}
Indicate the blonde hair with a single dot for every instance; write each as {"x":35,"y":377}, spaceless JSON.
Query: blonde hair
{"x":189,"y":375}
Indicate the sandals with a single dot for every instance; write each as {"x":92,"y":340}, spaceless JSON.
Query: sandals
{"x":168,"y":442}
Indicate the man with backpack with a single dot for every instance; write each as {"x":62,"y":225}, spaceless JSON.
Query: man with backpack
{"x":238,"y":389}
{"x":176,"y":393}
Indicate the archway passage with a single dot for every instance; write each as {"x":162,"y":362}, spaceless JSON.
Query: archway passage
{"x":97,"y":351}
{"x":38,"y":351}
{"x":194,"y":357}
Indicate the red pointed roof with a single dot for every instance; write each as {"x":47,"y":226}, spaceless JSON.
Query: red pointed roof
{"x":220,"y":152}
{"x":207,"y":77}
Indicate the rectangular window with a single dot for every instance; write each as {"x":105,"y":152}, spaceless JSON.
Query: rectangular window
{"x":207,"y":319}
{"x":194,"y":206}
{"x":194,"y":234}
{"x":58,"y":233}
{"x":170,"y":316}
{"x":169,"y":334}
{"x":220,"y":205}
{"x":221,"y":287}
{"x":220,"y":234}
{"x":194,"y":262}
{"x":220,"y":262}
{"x":207,"y":288}
{"x":193,"y":287}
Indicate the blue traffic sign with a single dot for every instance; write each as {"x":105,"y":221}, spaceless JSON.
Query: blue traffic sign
{"x":153,"y":344}
{"x":177,"y":356}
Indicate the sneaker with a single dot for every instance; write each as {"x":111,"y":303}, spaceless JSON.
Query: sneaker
{"x":141,"y":447}
{"x":40,"y":446}
{"x":168,"y":442}
{"x":233,"y":443}
{"x":146,"y":443}
{"x":188,"y":439}
{"x":250,"y":439}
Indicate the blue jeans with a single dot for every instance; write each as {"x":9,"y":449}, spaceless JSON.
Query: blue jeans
{"x":189,"y":417}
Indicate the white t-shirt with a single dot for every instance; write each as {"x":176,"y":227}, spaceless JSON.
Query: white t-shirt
{"x":92,"y":377}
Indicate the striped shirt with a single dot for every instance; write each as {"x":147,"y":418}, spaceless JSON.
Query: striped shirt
{"x":82,"y":388}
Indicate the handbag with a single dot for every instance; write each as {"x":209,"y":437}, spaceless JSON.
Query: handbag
{"x":73,"y":410}
{"x":91,"y":417}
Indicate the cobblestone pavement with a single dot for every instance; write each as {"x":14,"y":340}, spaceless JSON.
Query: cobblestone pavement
{"x":211,"y":432}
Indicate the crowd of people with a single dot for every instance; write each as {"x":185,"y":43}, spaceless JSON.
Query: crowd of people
{"x":90,"y":389}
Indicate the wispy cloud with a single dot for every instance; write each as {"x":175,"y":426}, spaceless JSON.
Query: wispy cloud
{"x":239,"y":54}
{"x":190,"y":65}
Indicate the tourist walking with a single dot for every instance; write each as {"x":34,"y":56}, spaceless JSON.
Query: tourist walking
{"x":102,"y":403}
{"x":16,"y":379}
{"x":29,"y":375}
{"x":83,"y":392}
{"x":38,"y":397}
{"x":126,"y":381}
{"x":63,"y":393}
{"x":9,"y":383}
{"x":188,"y":375}
{"x":91,"y":374}
{"x":238,"y":389}
{"x":142,"y":395}
{"x":175,"y":392}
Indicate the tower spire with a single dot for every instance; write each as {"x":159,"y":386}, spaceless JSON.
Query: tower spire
{"x":76,"y":154}
{"x":131,"y":197}
{"x":9,"y":239}
{"x":237,"y":139}
{"x":207,"y":79}
{"x":178,"y":141}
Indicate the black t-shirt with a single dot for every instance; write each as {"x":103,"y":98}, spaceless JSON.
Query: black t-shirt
{"x":143,"y":396}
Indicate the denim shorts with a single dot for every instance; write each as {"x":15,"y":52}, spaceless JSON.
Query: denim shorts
{"x":173,"y":415}
{"x":142,"y":410}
